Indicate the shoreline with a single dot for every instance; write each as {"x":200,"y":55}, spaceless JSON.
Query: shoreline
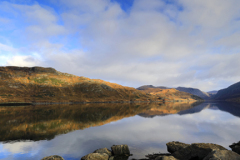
{"x":50,"y":103}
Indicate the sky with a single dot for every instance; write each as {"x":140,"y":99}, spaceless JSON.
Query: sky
{"x":190,"y":43}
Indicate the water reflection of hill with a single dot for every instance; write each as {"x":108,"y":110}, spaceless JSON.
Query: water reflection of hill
{"x":168,"y":108}
{"x":45,"y":122}
{"x":196,"y":109}
{"x":232,"y":108}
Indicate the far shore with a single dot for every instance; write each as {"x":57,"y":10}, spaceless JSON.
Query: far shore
{"x":47,"y":103}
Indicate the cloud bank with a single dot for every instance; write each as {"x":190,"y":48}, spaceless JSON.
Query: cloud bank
{"x":158,"y":42}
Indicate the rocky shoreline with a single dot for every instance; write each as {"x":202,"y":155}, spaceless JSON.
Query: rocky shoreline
{"x":177,"y":151}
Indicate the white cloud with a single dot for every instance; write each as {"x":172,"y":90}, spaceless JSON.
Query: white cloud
{"x":20,"y":147}
{"x":23,"y":61}
{"x":185,"y":43}
{"x":6,"y":48}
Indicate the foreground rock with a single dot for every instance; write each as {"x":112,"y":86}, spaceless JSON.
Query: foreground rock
{"x":55,"y":157}
{"x":235,"y":147}
{"x":178,"y":150}
{"x":165,"y":158}
{"x":104,"y":150}
{"x":196,"y":151}
{"x":119,"y":152}
{"x":175,"y":146}
{"x":96,"y":156}
{"x":118,"y":158}
{"x":222,"y":155}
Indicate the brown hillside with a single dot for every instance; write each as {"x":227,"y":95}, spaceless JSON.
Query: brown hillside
{"x":37,"y":84}
{"x":171,"y":94}
{"x":40,"y":85}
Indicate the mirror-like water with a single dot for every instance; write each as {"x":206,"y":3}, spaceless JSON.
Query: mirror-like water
{"x":72,"y":131}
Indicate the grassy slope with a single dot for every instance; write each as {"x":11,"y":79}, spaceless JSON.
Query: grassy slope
{"x":18,"y":84}
{"x":37,"y":84}
{"x":171,"y":94}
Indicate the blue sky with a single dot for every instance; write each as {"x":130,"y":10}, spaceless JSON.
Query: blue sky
{"x":131,"y":42}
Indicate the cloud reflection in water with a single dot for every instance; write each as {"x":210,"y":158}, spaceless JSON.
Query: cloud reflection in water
{"x":143,"y":135}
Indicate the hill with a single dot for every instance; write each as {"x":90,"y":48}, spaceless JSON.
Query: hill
{"x":231,"y":93}
{"x":212,"y":94}
{"x":44,"y":85}
{"x":144,"y":87}
{"x":171,"y":94}
{"x":38,"y":84}
{"x":194,"y":91}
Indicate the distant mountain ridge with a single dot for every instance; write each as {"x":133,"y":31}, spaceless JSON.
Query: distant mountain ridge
{"x":194,"y":91}
{"x":231,"y":93}
{"x":168,"y":94}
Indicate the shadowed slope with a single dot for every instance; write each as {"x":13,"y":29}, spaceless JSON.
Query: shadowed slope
{"x":232,"y":93}
{"x":195,"y":92}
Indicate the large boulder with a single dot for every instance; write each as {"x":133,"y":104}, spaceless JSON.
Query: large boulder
{"x":118,"y":158}
{"x":120,"y":150}
{"x":96,"y":156}
{"x":175,"y":146}
{"x":196,"y":151}
{"x":235,"y":147}
{"x":54,"y":157}
{"x":165,"y":158}
{"x":222,"y":155}
{"x":104,"y":150}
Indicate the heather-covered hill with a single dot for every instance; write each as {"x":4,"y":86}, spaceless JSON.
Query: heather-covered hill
{"x":38,"y":84}
{"x":171,"y":94}
{"x":232,"y":93}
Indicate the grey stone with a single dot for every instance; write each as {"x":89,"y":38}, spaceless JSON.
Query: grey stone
{"x":118,"y":158}
{"x":120,"y":150}
{"x":165,"y":158}
{"x":196,"y":151}
{"x":96,"y":156}
{"x":175,"y":146}
{"x":54,"y":157}
{"x":104,"y":150}
{"x":235,"y":147}
{"x":222,"y":155}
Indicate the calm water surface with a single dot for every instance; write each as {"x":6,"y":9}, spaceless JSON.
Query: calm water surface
{"x":72,"y":131}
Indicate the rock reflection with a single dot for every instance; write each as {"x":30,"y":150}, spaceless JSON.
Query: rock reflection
{"x":46,"y":121}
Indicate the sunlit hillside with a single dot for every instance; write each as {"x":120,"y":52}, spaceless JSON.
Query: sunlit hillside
{"x":171,"y":94}
{"x":37,"y":84}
